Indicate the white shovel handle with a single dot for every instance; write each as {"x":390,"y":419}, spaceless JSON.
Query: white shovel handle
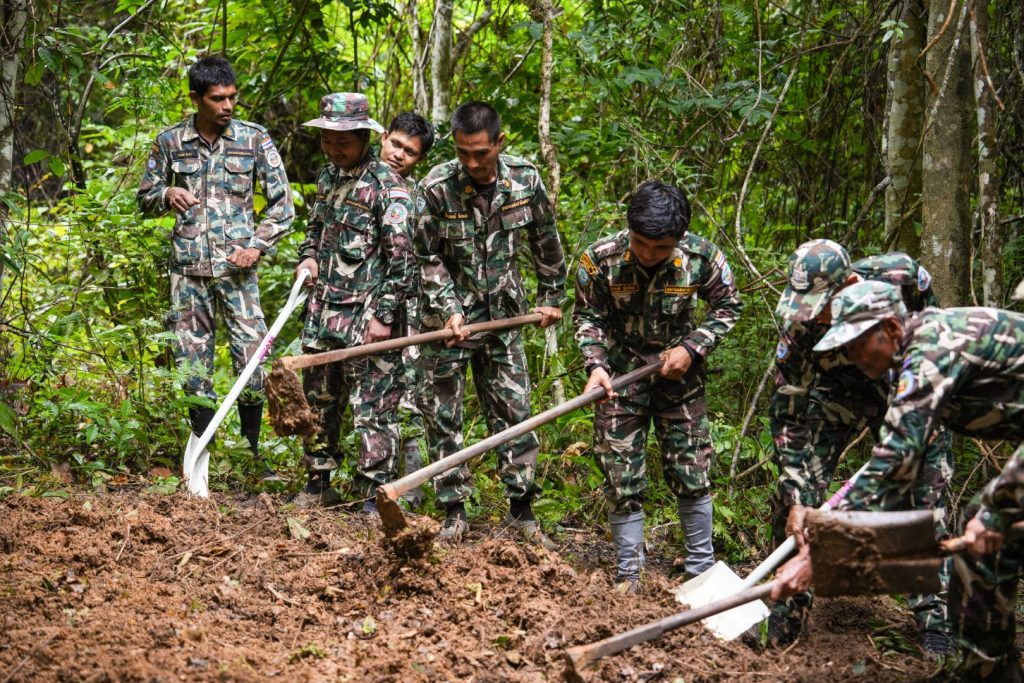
{"x":196,"y":481}
{"x":779,"y":555}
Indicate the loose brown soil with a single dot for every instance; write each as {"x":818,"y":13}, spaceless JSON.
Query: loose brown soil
{"x":289,"y":411}
{"x":129,"y":586}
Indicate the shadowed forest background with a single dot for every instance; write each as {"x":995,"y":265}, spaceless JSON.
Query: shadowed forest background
{"x":883,"y":125}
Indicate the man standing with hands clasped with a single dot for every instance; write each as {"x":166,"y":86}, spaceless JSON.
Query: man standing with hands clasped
{"x":636,"y":299}
{"x":205,"y":169}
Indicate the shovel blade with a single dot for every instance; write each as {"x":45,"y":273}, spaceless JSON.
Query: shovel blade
{"x":391,"y":515}
{"x":196,"y":468}
{"x":716,"y":583}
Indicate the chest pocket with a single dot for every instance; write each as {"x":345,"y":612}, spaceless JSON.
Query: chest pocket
{"x":354,"y":241}
{"x":459,"y":237}
{"x":678,"y":300}
{"x":187,"y":175}
{"x":238,"y":174}
{"x":516,"y":213}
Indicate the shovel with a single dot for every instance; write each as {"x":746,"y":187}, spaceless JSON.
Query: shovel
{"x":290,"y":413}
{"x":721,"y":580}
{"x":866,"y":553}
{"x":387,"y":494}
{"x":195,"y":464}
{"x":579,"y":657}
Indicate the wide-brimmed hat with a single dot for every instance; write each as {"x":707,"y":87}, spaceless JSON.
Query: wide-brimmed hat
{"x":817,"y":269}
{"x":345,"y":111}
{"x":858,"y":308}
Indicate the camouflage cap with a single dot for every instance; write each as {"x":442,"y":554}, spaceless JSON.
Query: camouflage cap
{"x":816,"y":270}
{"x":345,"y":111}
{"x":858,"y":308}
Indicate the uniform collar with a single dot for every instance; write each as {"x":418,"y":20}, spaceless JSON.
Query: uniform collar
{"x":502,"y":181}
{"x":357,"y":171}
{"x":192,"y":133}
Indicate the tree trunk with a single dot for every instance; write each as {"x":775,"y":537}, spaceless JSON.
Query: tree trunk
{"x":992,"y":286}
{"x":903,"y":137}
{"x":15,"y":16}
{"x":441,"y":61}
{"x":420,"y":93}
{"x":945,"y":234}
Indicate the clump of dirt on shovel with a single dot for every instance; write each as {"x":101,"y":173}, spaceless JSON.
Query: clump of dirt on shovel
{"x":289,"y":413}
{"x":845,"y":559}
{"x":412,"y":542}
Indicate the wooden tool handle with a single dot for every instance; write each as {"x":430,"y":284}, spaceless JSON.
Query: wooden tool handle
{"x":951,"y":546}
{"x":311,"y":359}
{"x":579,"y":657}
{"x":407,"y":483}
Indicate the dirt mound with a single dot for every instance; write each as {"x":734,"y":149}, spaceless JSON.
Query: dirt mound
{"x":136,"y":587}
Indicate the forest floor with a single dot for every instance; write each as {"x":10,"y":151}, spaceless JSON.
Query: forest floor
{"x":131,"y":586}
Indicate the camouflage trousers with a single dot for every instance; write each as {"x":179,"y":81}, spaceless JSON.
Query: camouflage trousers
{"x":498,"y":362}
{"x":679,"y":414}
{"x":410,"y":418}
{"x":924,"y":488}
{"x":982,"y":607}
{"x":372,"y":388}
{"x":194,"y":302}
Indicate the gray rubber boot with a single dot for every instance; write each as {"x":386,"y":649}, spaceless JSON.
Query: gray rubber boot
{"x":628,"y":534}
{"x":695,"y":516}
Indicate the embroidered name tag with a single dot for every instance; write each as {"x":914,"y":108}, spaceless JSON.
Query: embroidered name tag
{"x":185,"y":154}
{"x":237,"y":152}
{"x":515,"y":205}
{"x":680,"y":291}
{"x":358,"y":205}
{"x":456,"y":216}
{"x":625,"y":289}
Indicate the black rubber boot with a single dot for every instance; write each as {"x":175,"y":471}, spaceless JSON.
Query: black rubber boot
{"x":200,"y":419}
{"x":250,"y":417}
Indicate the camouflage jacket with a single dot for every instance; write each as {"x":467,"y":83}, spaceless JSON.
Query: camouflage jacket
{"x":360,"y":233}
{"x":467,"y":251}
{"x":221,"y":177}
{"x":624,"y":316}
{"x":809,"y":383}
{"x":962,"y":368}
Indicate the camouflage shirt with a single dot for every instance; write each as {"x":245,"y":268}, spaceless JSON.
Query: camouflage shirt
{"x":962,"y":368}
{"x":624,"y":313}
{"x":807,"y":381}
{"x":467,"y":249}
{"x":221,"y":177}
{"x":360,"y":233}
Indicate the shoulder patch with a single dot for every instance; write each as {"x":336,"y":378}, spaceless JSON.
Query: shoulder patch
{"x":906,"y":385}
{"x":396,"y":214}
{"x":582,"y":276}
{"x":782,"y":351}
{"x":587,"y":264}
{"x":399,"y":193}
{"x":924,"y":279}
{"x":723,"y":266}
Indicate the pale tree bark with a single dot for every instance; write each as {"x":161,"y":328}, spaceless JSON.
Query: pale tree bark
{"x":15,"y":18}
{"x":420,"y":92}
{"x":441,"y":61}
{"x":945,"y":213}
{"x":992,"y":239}
{"x":907,"y":91}
{"x":543,"y":11}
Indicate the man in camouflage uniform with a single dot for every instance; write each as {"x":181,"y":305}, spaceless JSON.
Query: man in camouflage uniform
{"x":959,"y":368}
{"x":406,"y":142}
{"x":358,"y":248}
{"x":636,"y":300}
{"x":475,"y":213}
{"x":204,"y":169}
{"x":822,"y":402}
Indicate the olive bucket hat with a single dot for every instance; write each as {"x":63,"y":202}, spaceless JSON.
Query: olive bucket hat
{"x":858,"y":308}
{"x":345,"y":111}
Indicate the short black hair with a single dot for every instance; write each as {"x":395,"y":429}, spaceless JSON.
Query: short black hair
{"x":414,"y":126}
{"x":658,"y":210}
{"x":473,"y":117}
{"x":209,"y":71}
